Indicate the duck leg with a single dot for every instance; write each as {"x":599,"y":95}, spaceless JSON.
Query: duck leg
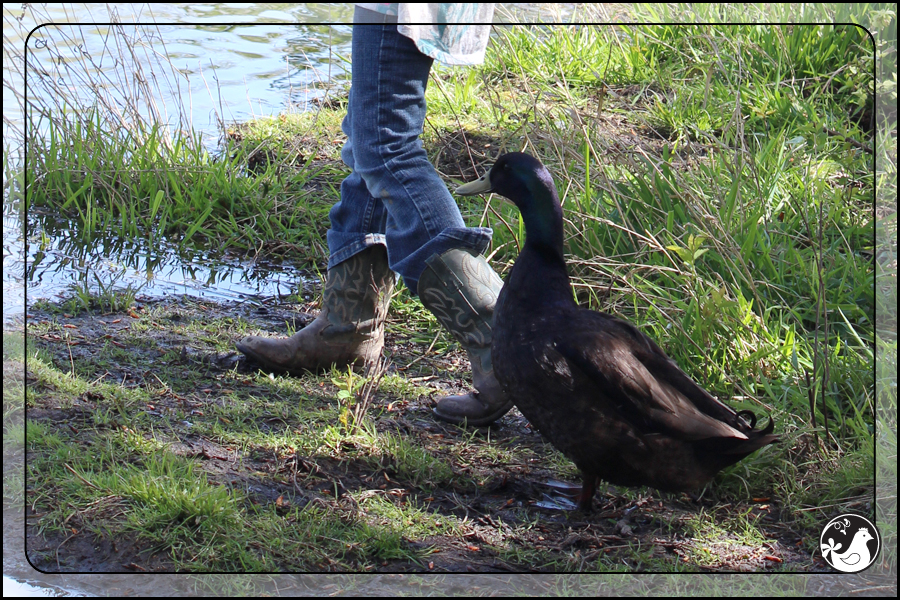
{"x":586,"y":497}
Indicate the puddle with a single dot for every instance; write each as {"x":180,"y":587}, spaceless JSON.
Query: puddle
{"x":19,"y":578}
{"x":52,"y":261}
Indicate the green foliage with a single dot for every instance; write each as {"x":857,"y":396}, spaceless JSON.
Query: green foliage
{"x":349,"y":387}
{"x":161,"y":187}
{"x":169,"y":491}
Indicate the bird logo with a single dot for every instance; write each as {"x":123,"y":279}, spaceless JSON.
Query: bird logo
{"x":847,"y":543}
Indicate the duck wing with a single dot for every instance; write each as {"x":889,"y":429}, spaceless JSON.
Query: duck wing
{"x":633,"y":374}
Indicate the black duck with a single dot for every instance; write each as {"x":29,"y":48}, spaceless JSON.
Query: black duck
{"x":597,"y":388}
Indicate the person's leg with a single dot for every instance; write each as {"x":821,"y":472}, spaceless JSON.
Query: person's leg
{"x":428,"y":242}
{"x":394,"y":196}
{"x":358,"y":219}
{"x":350,"y":327}
{"x":385,"y":117}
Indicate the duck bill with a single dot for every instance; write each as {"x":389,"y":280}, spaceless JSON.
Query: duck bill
{"x":479,"y":186}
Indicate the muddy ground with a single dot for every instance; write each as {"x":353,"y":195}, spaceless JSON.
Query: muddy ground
{"x":518,"y":503}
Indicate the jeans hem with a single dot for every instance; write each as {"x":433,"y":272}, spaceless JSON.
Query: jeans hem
{"x":353,"y":248}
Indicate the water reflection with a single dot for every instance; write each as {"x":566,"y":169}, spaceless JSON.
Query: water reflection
{"x":18,"y":588}
{"x":58,"y":259}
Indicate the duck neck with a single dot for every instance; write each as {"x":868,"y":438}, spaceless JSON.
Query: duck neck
{"x":543,"y":252}
{"x":544,"y":226}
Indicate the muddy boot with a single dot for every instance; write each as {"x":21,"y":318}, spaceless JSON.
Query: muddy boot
{"x":461,"y":288}
{"x":348,"y":330}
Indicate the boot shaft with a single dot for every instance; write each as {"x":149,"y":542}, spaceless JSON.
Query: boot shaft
{"x":357,"y":293}
{"x":461,"y":289}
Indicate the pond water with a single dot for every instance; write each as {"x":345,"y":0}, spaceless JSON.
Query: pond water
{"x":22,"y":588}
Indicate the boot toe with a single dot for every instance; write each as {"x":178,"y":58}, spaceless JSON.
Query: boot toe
{"x":259,"y":350}
{"x":470,"y":409}
{"x":249,"y":346}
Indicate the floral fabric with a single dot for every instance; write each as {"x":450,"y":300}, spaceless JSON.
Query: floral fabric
{"x":454,"y":34}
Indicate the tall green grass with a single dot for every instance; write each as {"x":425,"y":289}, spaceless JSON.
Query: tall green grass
{"x":141,"y":183}
{"x":739,"y":228}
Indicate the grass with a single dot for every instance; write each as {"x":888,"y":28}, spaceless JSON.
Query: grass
{"x":718,"y":188}
{"x":207,"y":468}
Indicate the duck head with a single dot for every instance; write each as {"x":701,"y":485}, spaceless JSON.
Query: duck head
{"x":527,"y":183}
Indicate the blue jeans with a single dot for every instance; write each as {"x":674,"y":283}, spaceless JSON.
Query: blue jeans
{"x":393,"y":196}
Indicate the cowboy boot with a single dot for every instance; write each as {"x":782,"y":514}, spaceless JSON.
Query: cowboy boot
{"x":461,"y":288}
{"x":348,"y":330}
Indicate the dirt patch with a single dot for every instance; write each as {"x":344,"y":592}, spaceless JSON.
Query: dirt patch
{"x":499,"y":508}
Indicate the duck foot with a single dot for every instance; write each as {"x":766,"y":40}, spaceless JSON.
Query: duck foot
{"x":556,"y":503}
{"x":583,"y":499}
{"x":586,"y":497}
